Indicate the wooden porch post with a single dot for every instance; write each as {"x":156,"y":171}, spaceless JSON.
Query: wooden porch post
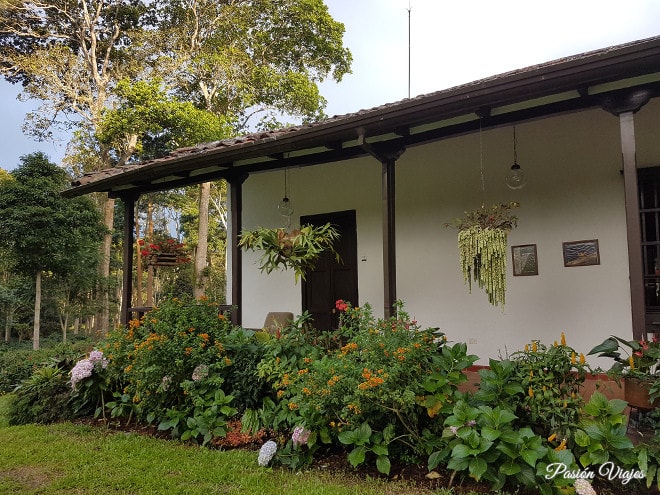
{"x":625,"y":105}
{"x":236,"y":222}
{"x":635,"y":263}
{"x":387,"y":156}
{"x":127,"y":283}
{"x":389,"y":235}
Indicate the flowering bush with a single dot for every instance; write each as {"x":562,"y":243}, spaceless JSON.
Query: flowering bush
{"x":89,"y":382}
{"x":638,"y":358}
{"x":180,"y":341}
{"x":390,"y":376}
{"x":551,"y":378}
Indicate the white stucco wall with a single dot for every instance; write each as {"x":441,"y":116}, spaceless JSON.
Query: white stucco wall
{"x":574,"y":192}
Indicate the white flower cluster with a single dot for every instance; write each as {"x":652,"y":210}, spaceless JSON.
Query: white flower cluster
{"x":583,"y":487}
{"x":97,"y":357}
{"x":165,"y":382}
{"x":200,"y":372}
{"x":266,"y":453}
{"x":85,"y":367}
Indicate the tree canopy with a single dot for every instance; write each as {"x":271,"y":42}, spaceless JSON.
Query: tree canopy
{"x":41,"y":228}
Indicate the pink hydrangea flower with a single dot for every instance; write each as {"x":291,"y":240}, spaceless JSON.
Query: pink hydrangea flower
{"x":300,"y":436}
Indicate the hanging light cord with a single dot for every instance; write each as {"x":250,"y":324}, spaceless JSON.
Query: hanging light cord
{"x":481,"y":161}
{"x":515,"y":146}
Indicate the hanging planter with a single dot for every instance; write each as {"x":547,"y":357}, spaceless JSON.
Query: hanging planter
{"x":482,"y":246}
{"x":165,"y":253}
{"x":297,"y":249}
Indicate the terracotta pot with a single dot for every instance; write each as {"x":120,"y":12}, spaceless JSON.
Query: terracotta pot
{"x":636,"y":393}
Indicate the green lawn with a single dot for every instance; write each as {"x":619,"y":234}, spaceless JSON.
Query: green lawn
{"x":77,"y":459}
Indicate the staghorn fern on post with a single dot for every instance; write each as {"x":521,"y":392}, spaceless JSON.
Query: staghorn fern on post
{"x":298,"y":249}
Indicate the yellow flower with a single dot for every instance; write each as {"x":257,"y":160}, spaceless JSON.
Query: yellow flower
{"x":534,"y":346}
{"x":563,"y":339}
{"x":552,"y":437}
{"x":530,"y":392}
{"x":572,"y":357}
{"x":555,"y":344}
{"x":631,"y":362}
{"x":561,"y":446}
{"x":526,"y":347}
{"x":582,"y":359}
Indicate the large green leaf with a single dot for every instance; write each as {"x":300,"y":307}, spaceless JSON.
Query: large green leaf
{"x":383,"y":464}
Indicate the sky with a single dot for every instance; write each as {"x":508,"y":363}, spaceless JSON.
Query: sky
{"x":452,"y":42}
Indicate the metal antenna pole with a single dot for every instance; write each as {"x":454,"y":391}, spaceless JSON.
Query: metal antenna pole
{"x":409,"y":9}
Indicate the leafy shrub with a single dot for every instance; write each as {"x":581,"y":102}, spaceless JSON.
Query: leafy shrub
{"x":18,"y":364}
{"x":44,"y":397}
{"x":390,"y":379}
{"x":153,"y":357}
{"x":551,"y":378}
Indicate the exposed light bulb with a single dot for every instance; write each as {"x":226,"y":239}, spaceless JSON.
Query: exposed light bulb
{"x":285,"y":207}
{"x":515,"y":178}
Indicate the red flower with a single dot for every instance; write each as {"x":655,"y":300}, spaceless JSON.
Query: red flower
{"x":341,"y":305}
{"x":141,"y":242}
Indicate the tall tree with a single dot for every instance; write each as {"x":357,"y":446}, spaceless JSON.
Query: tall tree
{"x":44,"y":231}
{"x":249,"y":58}
{"x":69,"y":55}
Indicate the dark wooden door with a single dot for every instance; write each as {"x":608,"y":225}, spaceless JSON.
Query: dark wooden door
{"x":331,"y":280}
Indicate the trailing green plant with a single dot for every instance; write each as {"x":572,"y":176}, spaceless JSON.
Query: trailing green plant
{"x":297,"y":249}
{"x":482,"y":246}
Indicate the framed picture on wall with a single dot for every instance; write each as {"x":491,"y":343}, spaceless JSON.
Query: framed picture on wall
{"x":525,"y":261}
{"x":581,"y":253}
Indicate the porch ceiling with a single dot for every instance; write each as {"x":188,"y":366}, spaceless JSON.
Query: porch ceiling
{"x":565,"y":85}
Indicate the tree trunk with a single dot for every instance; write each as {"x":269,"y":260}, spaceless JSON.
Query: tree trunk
{"x":150,"y":239}
{"x":76,"y":325}
{"x":37,"y":311}
{"x":138,"y":261}
{"x":9,"y":323}
{"x":103,"y":321}
{"x":201,"y":253}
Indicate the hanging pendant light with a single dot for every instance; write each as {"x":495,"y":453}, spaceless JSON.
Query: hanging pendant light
{"x":515,"y":178}
{"x":285,"y":206}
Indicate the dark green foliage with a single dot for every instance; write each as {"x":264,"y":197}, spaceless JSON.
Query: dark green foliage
{"x":18,"y":364}
{"x":44,"y":397}
{"x":44,"y":230}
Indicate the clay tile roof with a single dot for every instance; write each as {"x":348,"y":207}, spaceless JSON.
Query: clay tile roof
{"x":547,"y":77}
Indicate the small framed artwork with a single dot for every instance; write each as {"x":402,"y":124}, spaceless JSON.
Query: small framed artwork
{"x":525,"y":261}
{"x":581,"y":253}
